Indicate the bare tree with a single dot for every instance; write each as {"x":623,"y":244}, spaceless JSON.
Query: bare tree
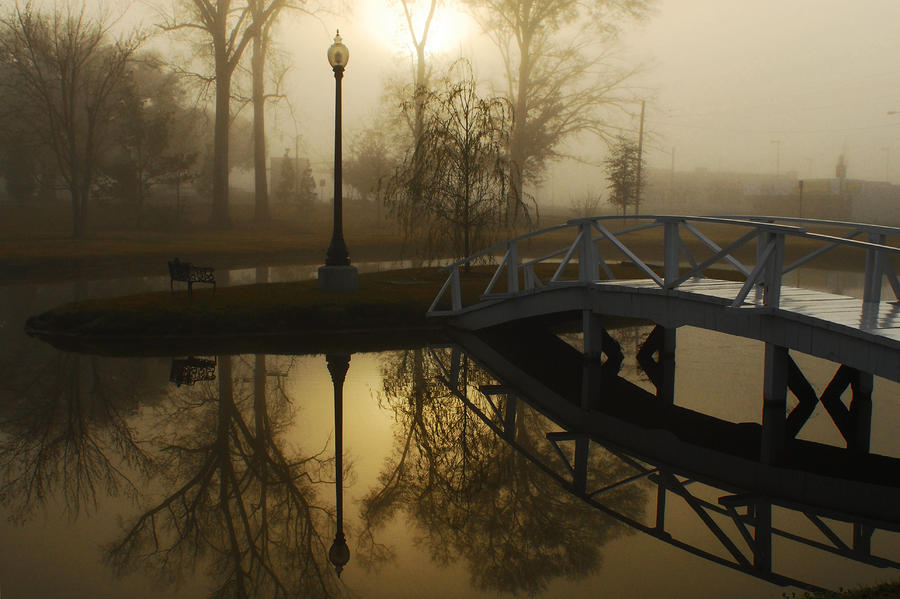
{"x":413,"y":99}
{"x":229,"y":30}
{"x":559,"y":76}
{"x":420,"y":80}
{"x":585,"y":205}
{"x":62,"y":73}
{"x":238,"y":504}
{"x":155,"y":134}
{"x":370,"y":164}
{"x":263,"y":15}
{"x":67,"y":435}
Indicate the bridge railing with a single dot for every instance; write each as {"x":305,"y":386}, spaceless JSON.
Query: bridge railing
{"x":677,"y":263}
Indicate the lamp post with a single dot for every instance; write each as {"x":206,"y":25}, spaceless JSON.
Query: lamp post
{"x":338,"y":274}
{"x":339,"y":553}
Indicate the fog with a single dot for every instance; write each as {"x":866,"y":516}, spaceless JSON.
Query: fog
{"x":763,"y":88}
{"x":730,"y":85}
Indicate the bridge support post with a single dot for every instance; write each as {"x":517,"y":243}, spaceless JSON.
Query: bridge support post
{"x":661,"y":371}
{"x":660,"y":525}
{"x":874,"y":271}
{"x":862,"y":538}
{"x":594,"y":371}
{"x":591,"y":376}
{"x":592,"y":327}
{"x":509,"y":417}
{"x":773,"y":274}
{"x":774,"y":417}
{"x":672,"y":252}
{"x":666,"y":390}
{"x":762,"y":536}
{"x":588,"y":266}
{"x":861,"y":413}
{"x":579,"y":474}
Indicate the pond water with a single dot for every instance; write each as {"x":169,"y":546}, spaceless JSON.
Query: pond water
{"x":116,"y":481}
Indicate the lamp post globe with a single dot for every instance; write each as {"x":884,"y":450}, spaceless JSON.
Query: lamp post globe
{"x":338,"y":274}
{"x":338,"y":54}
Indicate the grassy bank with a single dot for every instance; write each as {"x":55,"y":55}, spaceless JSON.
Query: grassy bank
{"x":38,"y":247}
{"x":888,"y":590}
{"x":387,"y":303}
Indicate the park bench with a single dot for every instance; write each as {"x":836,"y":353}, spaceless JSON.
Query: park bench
{"x":190,"y":274}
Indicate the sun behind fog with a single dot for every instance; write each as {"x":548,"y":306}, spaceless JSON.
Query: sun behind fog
{"x":448,"y":29}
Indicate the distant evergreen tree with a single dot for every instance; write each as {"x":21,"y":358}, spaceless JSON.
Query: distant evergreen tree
{"x":622,"y":174}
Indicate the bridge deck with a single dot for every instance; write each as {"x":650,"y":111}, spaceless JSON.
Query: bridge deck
{"x":828,"y":310}
{"x":830,"y":326}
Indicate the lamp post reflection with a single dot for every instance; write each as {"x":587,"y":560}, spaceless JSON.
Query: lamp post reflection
{"x":339,"y":553}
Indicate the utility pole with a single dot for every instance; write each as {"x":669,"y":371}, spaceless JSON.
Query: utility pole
{"x":887,"y":163}
{"x":637,"y":191}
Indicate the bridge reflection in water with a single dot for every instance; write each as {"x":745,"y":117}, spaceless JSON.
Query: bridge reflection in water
{"x":711,"y":466}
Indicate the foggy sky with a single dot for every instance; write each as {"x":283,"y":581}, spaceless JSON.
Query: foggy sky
{"x":724,"y":81}
{"x":728,"y":84}
{"x":817,"y":75}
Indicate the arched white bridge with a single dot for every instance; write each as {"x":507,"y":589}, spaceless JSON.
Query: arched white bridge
{"x":672,"y":287}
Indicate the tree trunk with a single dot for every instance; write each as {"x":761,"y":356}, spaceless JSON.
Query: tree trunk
{"x":78,"y":190}
{"x":77,"y":225}
{"x":420,"y":90}
{"x":467,"y":225}
{"x":259,"y":130}
{"x":517,"y":142}
{"x":220,"y":217}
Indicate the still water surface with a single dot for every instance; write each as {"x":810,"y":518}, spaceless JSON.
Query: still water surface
{"x":117,"y":482}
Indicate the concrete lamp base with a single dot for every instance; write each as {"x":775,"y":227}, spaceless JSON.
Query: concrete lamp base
{"x":338,"y":278}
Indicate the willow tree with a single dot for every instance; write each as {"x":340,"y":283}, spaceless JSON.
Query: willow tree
{"x":478,"y":500}
{"x":451,"y":186}
{"x":560,"y":76}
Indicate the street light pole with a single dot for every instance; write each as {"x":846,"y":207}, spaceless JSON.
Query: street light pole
{"x":339,"y":553}
{"x":337,"y":274}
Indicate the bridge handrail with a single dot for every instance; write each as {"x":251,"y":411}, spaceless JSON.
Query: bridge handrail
{"x":863,"y":227}
{"x":766,"y":275}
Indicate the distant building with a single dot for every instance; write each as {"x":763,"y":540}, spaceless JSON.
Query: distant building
{"x":705,"y":192}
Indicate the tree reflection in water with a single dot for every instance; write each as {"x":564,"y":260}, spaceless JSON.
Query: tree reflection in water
{"x":475,"y":497}
{"x":66,"y":433}
{"x":240,"y":507}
